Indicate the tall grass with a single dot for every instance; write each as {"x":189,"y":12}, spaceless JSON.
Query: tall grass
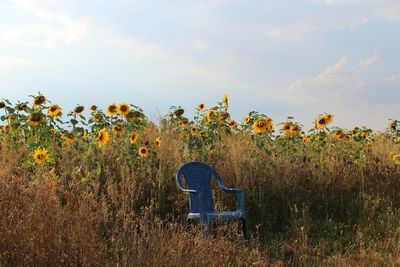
{"x":327,"y":202}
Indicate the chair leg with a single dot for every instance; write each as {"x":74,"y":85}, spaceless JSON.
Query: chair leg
{"x":206,"y":229}
{"x":215,"y":232}
{"x":245,"y":230}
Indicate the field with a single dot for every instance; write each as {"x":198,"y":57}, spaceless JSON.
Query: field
{"x":100,"y":190}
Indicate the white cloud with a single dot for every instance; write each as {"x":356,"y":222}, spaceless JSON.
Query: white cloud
{"x":371,"y":59}
{"x":135,"y":47}
{"x":393,"y":78}
{"x":390,"y":12}
{"x":6,"y":64}
{"x":294,"y":31}
{"x":53,"y":28}
{"x":200,"y":46}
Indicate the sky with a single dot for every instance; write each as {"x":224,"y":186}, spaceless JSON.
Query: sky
{"x":278,"y":57}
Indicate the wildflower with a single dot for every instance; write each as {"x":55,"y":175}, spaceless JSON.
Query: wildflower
{"x":321,"y":122}
{"x":225,"y":102}
{"x":123,"y":109}
{"x":183,"y":122}
{"x":39,"y":100}
{"x":117,"y":129}
{"x":306,"y":139}
{"x":158,"y":141}
{"x":232,"y":124}
{"x":102,"y":137}
{"x":134,"y":137}
{"x":40,"y":155}
{"x":112,"y":109}
{"x":294,"y":130}
{"x":35,"y":119}
{"x":54,"y":111}
{"x":202,"y":106}
{"x":143,"y":152}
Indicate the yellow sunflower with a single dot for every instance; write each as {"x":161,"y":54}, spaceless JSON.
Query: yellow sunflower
{"x":2,"y":105}
{"x":54,"y":111}
{"x":117,"y":129}
{"x":202,"y":106}
{"x":260,"y":126}
{"x":102,"y":137}
{"x":39,"y":100}
{"x":133,"y":138}
{"x":158,"y":141}
{"x":112,"y":109}
{"x":194,"y":130}
{"x":328,"y":118}
{"x":232,"y":124}
{"x":21,"y":106}
{"x":35,"y":119}
{"x":321,"y":122}
{"x":223,"y":117}
{"x":285,"y":129}
{"x":143,"y":152}
{"x":183,"y":122}
{"x":247,"y":119}
{"x":93,"y":107}
{"x":179,"y":112}
{"x":79,"y":109}
{"x":123,"y":109}
{"x":339,"y":134}
{"x":40,"y":155}
{"x":225,"y":101}
{"x":98,"y":117}
{"x":295,"y":130}
{"x":306,"y":139}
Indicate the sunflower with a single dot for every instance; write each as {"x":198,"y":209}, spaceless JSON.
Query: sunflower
{"x":202,"y":106}
{"x":39,"y":100}
{"x":143,"y":152}
{"x":294,"y":130}
{"x":179,"y":112}
{"x":321,"y":122}
{"x":112,"y":109}
{"x":328,"y":118}
{"x":223,"y":117}
{"x":134,"y":137}
{"x":93,"y":107}
{"x":194,"y":130}
{"x":210,"y":115}
{"x":260,"y":126}
{"x":232,"y":124}
{"x":102,"y":137}
{"x":123,"y":109}
{"x":117,"y":129}
{"x":306,"y":139}
{"x":35,"y":119}
{"x":225,"y":101}
{"x":40,"y":155}
{"x":21,"y":106}
{"x":6,"y":127}
{"x":2,"y":105}
{"x":285,"y":129}
{"x":207,"y":118}
{"x":158,"y":141}
{"x":339,"y":134}
{"x":54,"y":111}
{"x":98,"y":117}
{"x":11,"y":118}
{"x":183,"y":122}
{"x":392,"y":125}
{"x":79,"y":109}
{"x":185,"y":133}
{"x":247,"y":119}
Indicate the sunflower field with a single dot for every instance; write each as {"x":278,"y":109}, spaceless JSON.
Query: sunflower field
{"x":96,"y":186}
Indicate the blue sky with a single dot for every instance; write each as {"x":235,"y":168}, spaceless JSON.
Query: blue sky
{"x":279,"y":57}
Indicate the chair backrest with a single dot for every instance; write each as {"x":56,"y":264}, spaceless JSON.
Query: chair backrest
{"x":198,"y":177}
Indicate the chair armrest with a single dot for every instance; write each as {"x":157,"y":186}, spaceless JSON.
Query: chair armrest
{"x":239,"y":196}
{"x":189,"y":191}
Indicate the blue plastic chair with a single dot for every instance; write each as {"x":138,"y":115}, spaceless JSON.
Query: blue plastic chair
{"x":201,"y":204}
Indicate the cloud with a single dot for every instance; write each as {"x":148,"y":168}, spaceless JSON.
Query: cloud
{"x":200,"y":46}
{"x":390,"y":12}
{"x":6,"y":64}
{"x":371,"y":59}
{"x":62,"y":29}
{"x":330,"y":2}
{"x":135,"y":47}
{"x":393,"y":78}
{"x":294,"y":31}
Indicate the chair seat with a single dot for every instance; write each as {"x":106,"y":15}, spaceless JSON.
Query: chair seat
{"x":215,"y":214}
